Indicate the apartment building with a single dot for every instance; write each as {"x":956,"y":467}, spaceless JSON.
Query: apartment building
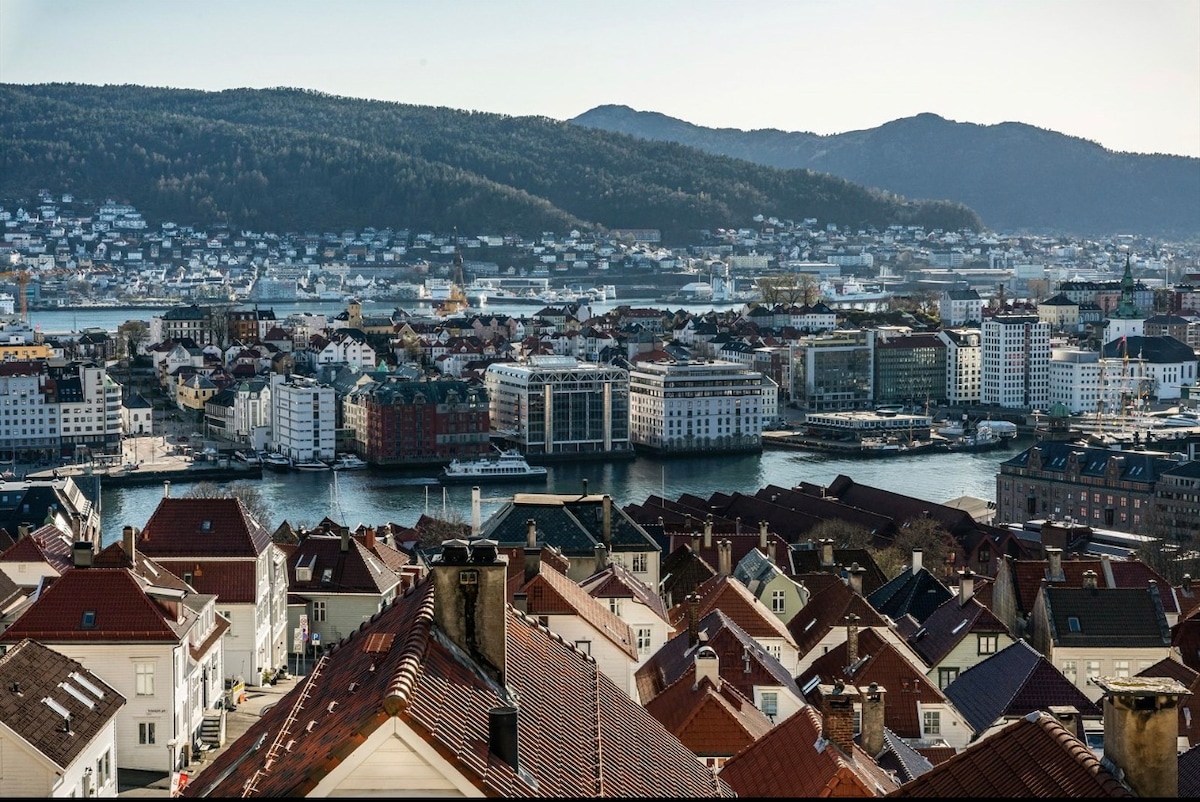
{"x":559,"y":406}
{"x":1075,"y":379}
{"x":1015,"y":354}
{"x":302,"y":418}
{"x":964,"y":365}
{"x":695,"y":407}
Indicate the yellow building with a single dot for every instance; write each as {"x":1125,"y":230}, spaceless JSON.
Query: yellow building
{"x":22,"y":352}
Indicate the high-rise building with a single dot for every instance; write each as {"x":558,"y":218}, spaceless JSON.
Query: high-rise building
{"x":1016,"y":362}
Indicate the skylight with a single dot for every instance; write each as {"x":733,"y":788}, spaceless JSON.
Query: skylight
{"x":1073,"y":624}
{"x":78,"y":694}
{"x":958,"y":628}
{"x":89,"y":619}
{"x":812,"y":683}
{"x":82,"y":680}
{"x":56,"y":707}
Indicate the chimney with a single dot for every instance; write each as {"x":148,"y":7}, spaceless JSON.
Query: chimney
{"x":345,"y":538}
{"x":81,"y":554}
{"x":762,"y":536}
{"x":1187,"y":583}
{"x":22,"y":530}
{"x":771,"y":551}
{"x":1089,"y":579}
{"x":827,"y":552}
{"x":708,"y":532}
{"x":533,"y":553}
{"x":918,"y":560}
{"x":1068,"y":716}
{"x":585,"y":488}
{"x":470,"y":598}
{"x":1141,"y":731}
{"x":871,"y":739}
{"x":695,"y":542}
{"x":601,"y":557}
{"x":693,"y":609}
{"x":837,"y":715}
{"x":77,"y":526}
{"x":708,"y":666}
{"x":851,"y":639}
{"x":1106,"y":569}
{"x":475,"y":514}
{"x":1055,"y":570}
{"x":502,"y":734}
{"x":856,"y":572}
{"x":369,"y":537}
{"x":167,"y":489}
{"x":966,"y":586}
{"x":737,"y":525}
{"x":129,"y":543}
{"x":606,"y":506}
{"x":725,"y":557}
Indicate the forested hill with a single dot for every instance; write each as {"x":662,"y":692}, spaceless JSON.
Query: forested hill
{"x":296,"y":160}
{"x":1017,"y":177}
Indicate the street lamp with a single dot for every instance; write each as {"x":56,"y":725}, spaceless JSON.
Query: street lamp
{"x":170,"y":765}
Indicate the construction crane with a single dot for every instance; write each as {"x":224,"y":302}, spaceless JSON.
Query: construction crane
{"x":22,"y":279}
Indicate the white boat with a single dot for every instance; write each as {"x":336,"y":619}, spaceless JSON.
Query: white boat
{"x":313,"y":464}
{"x":276,"y":462}
{"x":508,"y":466}
{"x":1185,"y":417}
{"x":349,"y":462}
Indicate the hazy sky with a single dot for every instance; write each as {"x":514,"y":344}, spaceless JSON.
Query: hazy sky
{"x":1122,"y":73}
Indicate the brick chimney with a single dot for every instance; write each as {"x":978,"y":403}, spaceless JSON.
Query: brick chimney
{"x":762,"y":536}
{"x":708,"y":666}
{"x":855,"y":577}
{"x":693,"y":611}
{"x":851,"y":639}
{"x":369,"y":537}
{"x":1141,"y":730}
{"x":708,"y":523}
{"x":871,"y":739}
{"x":827,"y":552}
{"x":129,"y":538}
{"x":837,"y":715}
{"x":470,"y":600}
{"x":966,"y":586}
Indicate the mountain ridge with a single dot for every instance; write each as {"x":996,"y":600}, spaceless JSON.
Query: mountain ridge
{"x":1017,"y":176}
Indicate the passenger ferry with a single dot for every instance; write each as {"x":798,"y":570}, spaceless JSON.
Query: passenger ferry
{"x":509,"y":466}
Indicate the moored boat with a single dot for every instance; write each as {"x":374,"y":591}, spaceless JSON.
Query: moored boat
{"x":508,"y":466}
{"x":313,"y":464}
{"x":276,"y":462}
{"x":349,"y":462}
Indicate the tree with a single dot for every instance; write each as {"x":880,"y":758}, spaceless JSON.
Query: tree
{"x":788,"y":289}
{"x":250,"y":496}
{"x":922,"y":533}
{"x":844,"y":534}
{"x":132,"y":336}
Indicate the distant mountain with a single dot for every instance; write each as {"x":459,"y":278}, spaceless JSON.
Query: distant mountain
{"x":1017,"y":177}
{"x":296,"y":160}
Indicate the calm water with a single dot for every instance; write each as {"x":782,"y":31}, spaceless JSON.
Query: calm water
{"x":376,"y":498}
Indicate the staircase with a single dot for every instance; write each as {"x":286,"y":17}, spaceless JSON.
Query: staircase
{"x":212,"y":731}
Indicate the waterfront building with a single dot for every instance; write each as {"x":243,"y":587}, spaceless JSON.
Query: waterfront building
{"x":964,"y":365}
{"x":89,"y":408}
{"x":857,"y":425}
{"x":1165,"y":365}
{"x":216,"y":546}
{"x":302,"y":418}
{"x":909,"y":368}
{"x":402,"y":421}
{"x":833,"y":371}
{"x":557,"y":406}
{"x":1075,"y":378}
{"x":1177,"y":503}
{"x":200,"y":324}
{"x":704,"y":406}
{"x":29,"y":412}
{"x":251,"y":412}
{"x":1015,"y":356}
{"x":1094,"y":486}
{"x":960,"y":307}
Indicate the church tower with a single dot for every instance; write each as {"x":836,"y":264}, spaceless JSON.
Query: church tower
{"x":1127,"y":320}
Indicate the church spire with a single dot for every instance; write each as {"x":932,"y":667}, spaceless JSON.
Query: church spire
{"x":1126,"y":307}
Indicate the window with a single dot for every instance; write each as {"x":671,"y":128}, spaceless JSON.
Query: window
{"x":1073,"y":624}
{"x":144,"y":679}
{"x":932,"y":722}
{"x":89,"y":619}
{"x":946,"y":676}
{"x":146,"y":733}
{"x":643,"y":641}
{"x":777,"y":601}
{"x":1121,"y":668}
{"x":614,"y":606}
{"x":584,"y":646}
{"x":639,"y":563}
{"x":1093,"y":669}
{"x":318,"y":612}
{"x":770,"y":704}
{"x":1069,"y":670}
{"x":988,"y":643}
{"x":103,"y":770}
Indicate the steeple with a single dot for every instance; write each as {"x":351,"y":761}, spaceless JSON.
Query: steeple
{"x":1126,"y":308}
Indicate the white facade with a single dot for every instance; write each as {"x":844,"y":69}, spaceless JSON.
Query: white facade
{"x":251,"y":409}
{"x":964,"y":365}
{"x":1075,"y":378}
{"x":1016,"y":362}
{"x":302,"y":418}
{"x":27,"y":421}
{"x":257,"y":635}
{"x":705,"y":406}
{"x":957,"y":307}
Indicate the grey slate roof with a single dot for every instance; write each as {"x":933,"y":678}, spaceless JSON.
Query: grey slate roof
{"x":916,"y":594}
{"x":1013,"y":682}
{"x":571,"y":524}
{"x":1107,"y":617}
{"x":1164,"y":350}
{"x":1136,"y":466}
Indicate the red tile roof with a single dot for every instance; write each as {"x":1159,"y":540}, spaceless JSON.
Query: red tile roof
{"x":735,"y":600}
{"x":794,"y":760}
{"x":549,"y":592}
{"x":355,"y":570}
{"x":712,"y":720}
{"x":203,"y":527}
{"x":1033,"y":757}
{"x":580,"y":735}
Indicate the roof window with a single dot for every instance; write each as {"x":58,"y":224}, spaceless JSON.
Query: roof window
{"x":1073,"y":624}
{"x":89,"y":619}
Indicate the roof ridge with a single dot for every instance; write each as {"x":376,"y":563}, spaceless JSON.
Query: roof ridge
{"x":403,"y":681}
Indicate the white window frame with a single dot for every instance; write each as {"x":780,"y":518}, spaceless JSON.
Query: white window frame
{"x":931,"y":722}
{"x":143,"y":678}
{"x":644,"y":634}
{"x":320,"y":611}
{"x":146,"y":733}
{"x":778,"y":600}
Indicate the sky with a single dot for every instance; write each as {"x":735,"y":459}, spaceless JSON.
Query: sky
{"x":1121,"y":73}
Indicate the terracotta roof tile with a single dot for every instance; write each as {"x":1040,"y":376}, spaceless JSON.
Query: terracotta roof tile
{"x":735,"y":600}
{"x":710,"y":720}
{"x":209,"y":527}
{"x":549,"y":592}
